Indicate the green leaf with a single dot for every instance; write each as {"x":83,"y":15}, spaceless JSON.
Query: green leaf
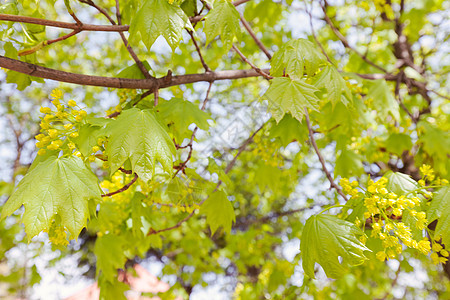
{"x":179,"y":114}
{"x":292,"y":96}
{"x":137,"y":212}
{"x":189,"y":7}
{"x":112,"y":289}
{"x":330,"y":79}
{"x":222,"y":20}
{"x":400,"y":184}
{"x":158,"y":17}
{"x":109,"y":250}
{"x":289,"y":130}
{"x":436,"y":142}
{"x":219,"y":212}
{"x":56,"y":186}
{"x":383,"y":99}
{"x":133,"y":71}
{"x":440,"y":210}
{"x":348,"y":164}
{"x":295,"y":57}
{"x":398,"y":142}
{"x":137,"y":135}
{"x":87,"y":138}
{"x":325,"y":238}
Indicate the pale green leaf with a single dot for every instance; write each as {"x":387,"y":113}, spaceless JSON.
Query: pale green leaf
{"x":325,"y":238}
{"x":178,"y":114}
{"x":109,"y":250}
{"x":289,"y":130}
{"x":56,"y":186}
{"x":296,"y":57}
{"x":348,"y":163}
{"x":399,"y":183}
{"x":158,"y":17}
{"x":292,"y":96}
{"x":398,"y":142}
{"x":219,"y":212}
{"x":440,"y":210}
{"x":138,"y":135}
{"x":383,"y":99}
{"x":222,"y":20}
{"x":331,"y":80}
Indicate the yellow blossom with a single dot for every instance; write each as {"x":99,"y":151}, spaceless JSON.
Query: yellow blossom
{"x":381,"y":255}
{"x":72,"y":103}
{"x":41,"y":152}
{"x":424,"y":246}
{"x":45,"y":110}
{"x":56,"y":94}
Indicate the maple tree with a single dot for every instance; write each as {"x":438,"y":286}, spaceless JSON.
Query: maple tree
{"x":270,"y":145}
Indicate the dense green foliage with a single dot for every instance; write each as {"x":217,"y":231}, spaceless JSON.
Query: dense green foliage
{"x":276,"y":149}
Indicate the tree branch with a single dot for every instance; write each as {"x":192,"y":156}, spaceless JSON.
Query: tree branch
{"x":245,"y":59}
{"x":65,"y":25}
{"x":114,"y":82}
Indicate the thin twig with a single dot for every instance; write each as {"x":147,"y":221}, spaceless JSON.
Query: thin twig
{"x":205,"y":66}
{"x":314,"y":33}
{"x":345,"y":42}
{"x":182,"y":165}
{"x":245,"y":59}
{"x":255,"y":38}
{"x":124,"y":188}
{"x":321,"y":159}
{"x":47,"y":43}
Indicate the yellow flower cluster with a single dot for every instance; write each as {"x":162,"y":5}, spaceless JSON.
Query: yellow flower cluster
{"x":440,"y":255}
{"x":385,"y":210}
{"x":266,"y":150}
{"x":58,"y":127}
{"x":57,"y":235}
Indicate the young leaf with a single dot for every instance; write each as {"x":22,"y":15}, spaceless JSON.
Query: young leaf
{"x":325,"y":238}
{"x":56,"y":186}
{"x":137,"y":135}
{"x":399,"y":183}
{"x":292,"y":96}
{"x":179,"y":114}
{"x":158,"y":17}
{"x":384,"y":101}
{"x":330,"y":79}
{"x":440,"y":210}
{"x":348,"y":163}
{"x":398,"y":142}
{"x":289,"y":130}
{"x":219,"y":212}
{"x":295,"y":57}
{"x":222,"y":20}
{"x":109,"y":250}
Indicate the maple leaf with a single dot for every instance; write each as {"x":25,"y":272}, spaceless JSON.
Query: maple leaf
{"x":325,"y":238}
{"x":219,"y":212}
{"x":295,"y":57}
{"x":158,"y":17}
{"x":440,"y":210}
{"x":292,"y":96}
{"x":56,"y":186}
{"x":383,"y":99}
{"x":139,"y":136}
{"x":222,"y":20}
{"x":179,"y":114}
{"x":330,"y":79}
